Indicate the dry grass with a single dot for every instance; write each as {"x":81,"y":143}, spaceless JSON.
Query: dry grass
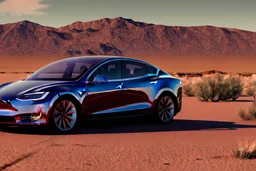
{"x":250,"y":114}
{"x":242,"y":114}
{"x":246,"y":150}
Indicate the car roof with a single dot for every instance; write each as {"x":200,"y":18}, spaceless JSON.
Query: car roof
{"x":105,"y":58}
{"x":102,"y":57}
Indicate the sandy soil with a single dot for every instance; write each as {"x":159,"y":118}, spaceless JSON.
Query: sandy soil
{"x":202,"y":137}
{"x":4,"y":78}
{"x":168,"y":63}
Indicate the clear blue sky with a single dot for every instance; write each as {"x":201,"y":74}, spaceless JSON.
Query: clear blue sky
{"x":227,"y":13}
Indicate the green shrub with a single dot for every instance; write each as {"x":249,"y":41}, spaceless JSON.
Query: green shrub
{"x":188,"y":89}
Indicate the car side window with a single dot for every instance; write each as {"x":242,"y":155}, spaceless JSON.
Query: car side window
{"x":79,"y":69}
{"x":133,"y":69}
{"x":111,"y":69}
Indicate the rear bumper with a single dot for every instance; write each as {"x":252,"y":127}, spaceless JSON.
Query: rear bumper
{"x":179,"y":100}
{"x":179,"y":106}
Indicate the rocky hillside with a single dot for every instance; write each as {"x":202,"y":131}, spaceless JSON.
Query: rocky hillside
{"x":120,"y":36}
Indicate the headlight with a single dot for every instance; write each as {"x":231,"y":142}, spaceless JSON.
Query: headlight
{"x":33,"y":96}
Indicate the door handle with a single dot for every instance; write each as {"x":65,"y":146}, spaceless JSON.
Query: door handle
{"x":120,"y":86}
{"x":153,"y":82}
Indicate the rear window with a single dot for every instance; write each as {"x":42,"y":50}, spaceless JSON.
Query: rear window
{"x":135,"y":69}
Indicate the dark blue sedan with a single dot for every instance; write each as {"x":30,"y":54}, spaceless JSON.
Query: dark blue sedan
{"x":62,"y":93}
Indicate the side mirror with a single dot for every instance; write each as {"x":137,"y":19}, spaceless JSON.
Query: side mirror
{"x":100,"y":79}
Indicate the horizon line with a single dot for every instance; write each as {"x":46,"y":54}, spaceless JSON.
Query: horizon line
{"x":231,"y":28}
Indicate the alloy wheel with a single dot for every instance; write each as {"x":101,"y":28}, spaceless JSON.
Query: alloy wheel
{"x":166,"y":109}
{"x":65,"y":115}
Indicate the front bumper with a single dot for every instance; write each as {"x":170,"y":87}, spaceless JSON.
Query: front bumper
{"x":24,"y":113}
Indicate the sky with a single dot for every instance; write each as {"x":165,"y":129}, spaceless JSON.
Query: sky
{"x":224,"y":13}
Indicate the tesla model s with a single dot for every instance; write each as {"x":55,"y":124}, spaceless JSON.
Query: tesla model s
{"x":63,"y":93}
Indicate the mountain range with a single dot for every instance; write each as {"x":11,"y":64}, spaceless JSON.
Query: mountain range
{"x":120,"y":36}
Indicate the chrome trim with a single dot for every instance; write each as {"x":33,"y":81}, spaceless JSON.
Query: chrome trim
{"x":106,"y":91}
{"x":162,"y":90}
{"x":34,"y":93}
{"x":153,"y":82}
{"x":123,"y":59}
{"x":41,"y":98}
{"x":36,"y":87}
{"x":125,"y":108}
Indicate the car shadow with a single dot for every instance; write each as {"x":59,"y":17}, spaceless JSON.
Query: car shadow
{"x":135,"y":126}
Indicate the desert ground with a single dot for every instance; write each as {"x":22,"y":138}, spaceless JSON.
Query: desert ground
{"x":202,"y":137}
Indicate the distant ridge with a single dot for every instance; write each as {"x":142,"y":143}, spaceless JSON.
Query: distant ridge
{"x":120,"y":36}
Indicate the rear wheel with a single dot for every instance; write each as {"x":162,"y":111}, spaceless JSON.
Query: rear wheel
{"x":64,"y":115}
{"x":165,"y":109}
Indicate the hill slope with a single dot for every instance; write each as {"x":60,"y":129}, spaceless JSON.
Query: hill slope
{"x":120,"y":36}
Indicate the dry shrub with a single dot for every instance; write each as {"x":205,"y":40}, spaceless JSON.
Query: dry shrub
{"x":242,"y":114}
{"x":252,"y":111}
{"x":202,"y":91}
{"x":246,"y":150}
{"x":218,"y":88}
{"x":214,"y":83}
{"x":189,"y":89}
{"x":250,"y":114}
{"x":225,"y":91}
{"x":236,"y":87}
{"x":250,"y":88}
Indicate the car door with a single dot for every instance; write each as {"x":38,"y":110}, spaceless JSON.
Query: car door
{"x":105,"y":97}
{"x":141,"y":84}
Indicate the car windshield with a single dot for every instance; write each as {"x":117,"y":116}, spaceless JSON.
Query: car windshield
{"x":69,"y":69}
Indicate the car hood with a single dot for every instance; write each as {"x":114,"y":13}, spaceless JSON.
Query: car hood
{"x":12,"y":90}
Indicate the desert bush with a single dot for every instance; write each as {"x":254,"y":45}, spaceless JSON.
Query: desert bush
{"x":250,"y":114}
{"x":214,"y":84}
{"x":250,"y":88}
{"x":188,"y":89}
{"x":217,"y":88}
{"x":242,"y":114}
{"x":202,"y":91}
{"x":225,"y":91}
{"x":254,"y":98}
{"x":247,"y":151}
{"x":235,"y":88}
{"x":252,"y":111}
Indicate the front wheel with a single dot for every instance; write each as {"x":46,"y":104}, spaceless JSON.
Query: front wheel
{"x":165,"y":109}
{"x":64,"y":115}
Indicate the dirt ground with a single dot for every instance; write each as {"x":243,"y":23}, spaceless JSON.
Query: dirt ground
{"x":202,"y":137}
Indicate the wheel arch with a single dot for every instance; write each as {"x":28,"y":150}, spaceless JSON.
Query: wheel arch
{"x":169,"y":93}
{"x":68,"y":97}
{"x":55,"y":103}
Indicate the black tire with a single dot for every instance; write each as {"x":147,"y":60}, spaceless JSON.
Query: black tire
{"x":64,"y":115}
{"x":165,"y":109}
